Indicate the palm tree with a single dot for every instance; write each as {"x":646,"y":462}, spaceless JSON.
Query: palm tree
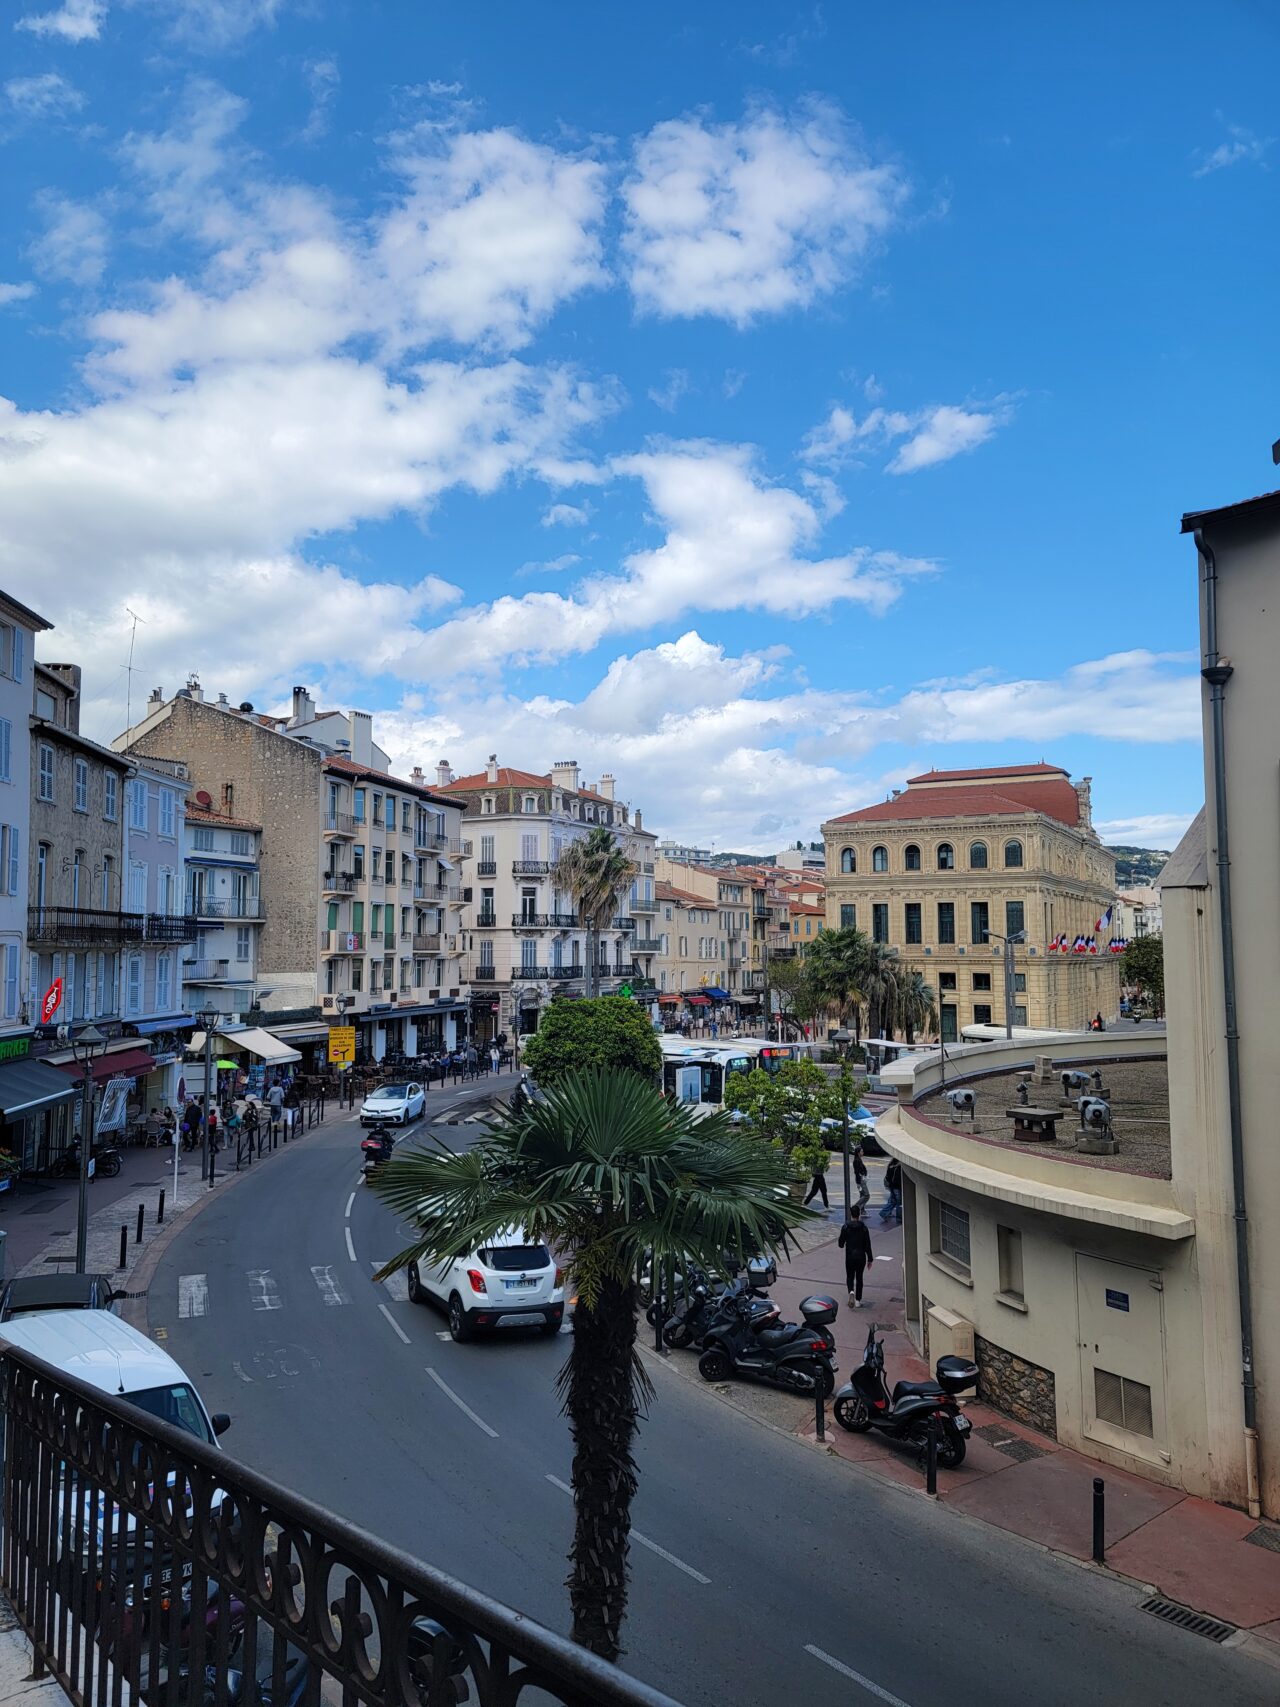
{"x":917,"y":1003}
{"x":837,"y":963}
{"x":593,"y":871}
{"x":881,"y":978}
{"x":603,"y":1170}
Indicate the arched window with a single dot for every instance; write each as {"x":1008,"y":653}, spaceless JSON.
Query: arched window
{"x":848,"y":860}
{"x":1012,"y":853}
{"x":977,"y":856}
{"x":911,"y":857}
{"x":879,"y":859}
{"x":946,"y":857}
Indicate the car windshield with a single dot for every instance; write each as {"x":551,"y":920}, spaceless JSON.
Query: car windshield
{"x":390,"y":1093}
{"x":512,"y":1258}
{"x":175,"y":1404}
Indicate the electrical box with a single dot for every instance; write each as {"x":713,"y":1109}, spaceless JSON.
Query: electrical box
{"x":949,"y":1334}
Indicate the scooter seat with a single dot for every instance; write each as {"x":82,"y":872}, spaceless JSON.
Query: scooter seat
{"x":925,"y":1389}
{"x":775,"y":1337}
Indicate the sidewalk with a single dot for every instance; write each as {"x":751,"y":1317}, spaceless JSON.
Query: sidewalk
{"x":1202,"y":1555}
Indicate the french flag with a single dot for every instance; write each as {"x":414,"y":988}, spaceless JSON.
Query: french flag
{"x":1092,"y":944}
{"x":1078,"y":946}
{"x":1104,"y":923}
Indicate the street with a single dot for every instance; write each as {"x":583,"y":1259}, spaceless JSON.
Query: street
{"x":764,"y":1572}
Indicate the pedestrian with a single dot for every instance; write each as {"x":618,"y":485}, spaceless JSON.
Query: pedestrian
{"x":860,"y":1174}
{"x":495,"y":1058}
{"x":250,"y":1117}
{"x":473,"y":1062}
{"x":855,"y":1241}
{"x":213,"y":1128}
{"x":275,"y":1100}
{"x":819,"y":1183}
{"x":892,"y":1210}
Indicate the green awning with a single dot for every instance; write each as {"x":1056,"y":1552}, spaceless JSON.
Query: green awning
{"x":224,"y":1066}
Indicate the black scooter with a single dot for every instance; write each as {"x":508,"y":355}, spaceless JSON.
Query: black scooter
{"x":376,"y":1148}
{"x":748,"y":1337}
{"x":865,"y":1402}
{"x":105,"y":1161}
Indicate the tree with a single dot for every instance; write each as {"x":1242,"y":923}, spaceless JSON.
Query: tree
{"x":1143,"y":967}
{"x":593,"y":871}
{"x":605,"y":1031}
{"x":917,"y":1003}
{"x":792,"y":982}
{"x":837,"y":963}
{"x":785,"y":1108}
{"x":881,"y":980}
{"x":603,"y":1170}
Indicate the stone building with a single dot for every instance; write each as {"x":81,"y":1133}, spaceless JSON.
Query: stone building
{"x":222,"y":859}
{"x":18,"y":629}
{"x":959,"y":860}
{"x":729,"y":892}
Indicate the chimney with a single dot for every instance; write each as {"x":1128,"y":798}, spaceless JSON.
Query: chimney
{"x":415,"y":775}
{"x":304,"y":709}
{"x":444,"y":774}
{"x":639,"y":821}
{"x":224,"y":703}
{"x":194,"y":690}
{"x":361,"y":724}
{"x":1084,"y":794}
{"x":605,"y":785}
{"x":491,"y":769}
{"x":155,"y":699}
{"x":228,"y":798}
{"x":564,"y":774}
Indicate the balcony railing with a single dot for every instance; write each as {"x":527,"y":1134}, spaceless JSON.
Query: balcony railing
{"x":342,"y":942}
{"x":530,"y":921}
{"x":640,"y":905}
{"x":486,"y":868}
{"x":624,"y":923}
{"x":528,"y":973}
{"x":529,"y":868}
{"x":107,"y":1510}
{"x":427,"y":943}
{"x":486,"y":921}
{"x":210,"y":971}
{"x":564,"y":921}
{"x":84,"y":927}
{"x":647,"y":945}
{"x":230,"y":907}
{"x":338,"y":883}
{"x":341,"y":824}
{"x":171,"y":927}
{"x":488,"y":975}
{"x":563,"y":974}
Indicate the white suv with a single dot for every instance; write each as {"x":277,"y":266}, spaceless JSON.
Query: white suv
{"x":504,"y":1283}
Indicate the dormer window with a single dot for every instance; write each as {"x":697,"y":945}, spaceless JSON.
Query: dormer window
{"x":486,"y":803}
{"x":530,"y":804}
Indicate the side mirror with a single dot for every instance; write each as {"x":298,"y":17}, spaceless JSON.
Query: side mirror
{"x":221,"y":1422}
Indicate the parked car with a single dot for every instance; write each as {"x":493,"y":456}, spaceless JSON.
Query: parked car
{"x":862,"y":1129}
{"x":507,"y":1282}
{"x":393,"y":1105}
{"x":33,"y":1294}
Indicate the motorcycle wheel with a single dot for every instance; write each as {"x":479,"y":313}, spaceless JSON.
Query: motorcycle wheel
{"x":714,"y":1365}
{"x":678,"y":1335}
{"x":951,"y":1448}
{"x":852,"y":1413}
{"x":108,"y":1167}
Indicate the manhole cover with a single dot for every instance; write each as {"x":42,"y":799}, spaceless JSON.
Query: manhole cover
{"x":1265,"y":1535}
{"x":1198,"y":1623}
{"x":1012,"y":1445}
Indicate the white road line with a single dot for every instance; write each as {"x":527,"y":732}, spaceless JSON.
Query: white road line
{"x":351,"y":1250}
{"x":193,"y":1295}
{"x":265,"y":1294}
{"x":397,"y":1284}
{"x":395,"y":1325}
{"x":444,"y":1334}
{"x":848,"y":1671}
{"x":645,"y":1542}
{"x":350,"y":1201}
{"x":462,"y":1405}
{"x":330,"y":1291}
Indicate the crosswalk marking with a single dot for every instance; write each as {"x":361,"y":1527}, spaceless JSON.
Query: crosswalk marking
{"x":264,"y":1294}
{"x":330,"y":1291}
{"x":193,"y":1295}
{"x":397,"y":1284}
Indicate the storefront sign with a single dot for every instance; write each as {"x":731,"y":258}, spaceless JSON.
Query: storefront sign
{"x":14,"y":1048}
{"x":115,"y":1102}
{"x":52,"y":1001}
{"x":342,"y":1044}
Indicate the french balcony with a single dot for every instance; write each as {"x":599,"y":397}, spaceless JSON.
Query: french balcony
{"x":485,"y":974}
{"x":341,"y":824}
{"x":486,"y":868}
{"x":338,"y":883}
{"x":529,"y":868}
{"x":342,"y":942}
{"x":624,"y":923}
{"x":84,"y":927}
{"x":640,"y":905}
{"x":427,"y":943}
{"x":486,"y":921}
{"x":647,"y":945}
{"x":227,"y":907}
{"x":531,"y":921}
{"x":564,"y":921}
{"x":565,"y":974}
{"x":171,"y":927}
{"x":527,"y":974}
{"x":210,"y":971}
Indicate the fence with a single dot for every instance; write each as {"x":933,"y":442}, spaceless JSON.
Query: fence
{"x":147,"y":1566}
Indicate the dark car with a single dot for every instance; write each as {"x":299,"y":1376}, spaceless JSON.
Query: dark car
{"x":33,"y":1293}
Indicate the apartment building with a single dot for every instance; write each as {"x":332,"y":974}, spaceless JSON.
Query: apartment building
{"x":222,"y":864}
{"x":729,"y":891}
{"x":18,"y":629}
{"x":947,"y":868}
{"x":525,"y":944}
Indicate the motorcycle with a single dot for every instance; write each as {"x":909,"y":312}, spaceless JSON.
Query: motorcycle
{"x":906,"y":1413}
{"x":377,"y":1148}
{"x":105,"y":1162}
{"x":747,"y":1336}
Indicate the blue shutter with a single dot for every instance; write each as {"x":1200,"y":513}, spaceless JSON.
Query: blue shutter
{"x":15,"y":874}
{"x":6,"y":733}
{"x":11,"y":971}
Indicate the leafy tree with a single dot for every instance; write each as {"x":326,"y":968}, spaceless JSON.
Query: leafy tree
{"x":837,"y":963}
{"x":1142,"y":966}
{"x":799,"y":999}
{"x":785,"y":1108}
{"x":605,"y":1031}
{"x":603,"y":1170}
{"x":594,"y":870}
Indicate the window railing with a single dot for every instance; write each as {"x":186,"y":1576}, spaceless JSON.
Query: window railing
{"x":228,"y":907}
{"x":529,"y":867}
{"x":486,"y":868}
{"x":341,"y":824}
{"x":641,"y":905}
{"x":171,"y":927}
{"x":338,"y":882}
{"x":207,"y":971}
{"x":527,"y":921}
{"x":624,"y":923}
{"x":486,"y":974}
{"x":85,"y":927}
{"x":561,"y":974}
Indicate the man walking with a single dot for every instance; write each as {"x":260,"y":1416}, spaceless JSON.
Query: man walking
{"x":892,"y":1210}
{"x":819,"y":1184}
{"x":855,"y":1241}
{"x":860,"y":1175}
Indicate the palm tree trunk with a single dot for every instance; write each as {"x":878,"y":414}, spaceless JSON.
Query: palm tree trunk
{"x":601,"y":1401}
{"x":592,"y":974}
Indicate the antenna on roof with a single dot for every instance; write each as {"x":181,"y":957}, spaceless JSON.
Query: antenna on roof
{"x":1275,"y":451}
{"x":128,"y":692}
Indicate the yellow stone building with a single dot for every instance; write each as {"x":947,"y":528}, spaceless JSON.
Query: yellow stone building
{"x":960,"y":854}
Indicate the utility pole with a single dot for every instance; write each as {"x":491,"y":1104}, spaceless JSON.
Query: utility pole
{"x":86,"y":1045}
{"x":1009,"y":991}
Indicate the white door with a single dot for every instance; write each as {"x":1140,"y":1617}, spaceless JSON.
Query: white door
{"x":1122,"y":1360}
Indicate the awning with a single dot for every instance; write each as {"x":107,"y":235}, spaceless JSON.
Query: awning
{"x":25,"y":1085}
{"x":717,"y":994}
{"x":669,"y":999}
{"x":702,"y":1001}
{"x":253,"y":1040}
{"x":175,"y":1022}
{"x":129,"y":1063}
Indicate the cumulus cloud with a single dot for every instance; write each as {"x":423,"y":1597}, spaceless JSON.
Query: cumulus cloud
{"x":16,"y":293}
{"x":73,"y":21}
{"x":566,"y":515}
{"x":746,"y":219}
{"x":73,"y":244}
{"x":945,"y":432}
{"x":931,"y":435}
{"x":44,"y":96}
{"x":1150,"y":830}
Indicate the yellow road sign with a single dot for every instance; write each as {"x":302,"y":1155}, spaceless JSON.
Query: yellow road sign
{"x":342,"y":1044}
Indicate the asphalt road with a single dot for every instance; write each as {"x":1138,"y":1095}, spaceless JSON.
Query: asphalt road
{"x":768,"y":1573}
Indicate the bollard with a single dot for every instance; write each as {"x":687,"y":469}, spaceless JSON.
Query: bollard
{"x":160,"y":1211}
{"x":1099,"y":1521}
{"x":931,"y":1457}
{"x":819,"y":1405}
{"x":138,"y":1237}
{"x":124,"y":1246}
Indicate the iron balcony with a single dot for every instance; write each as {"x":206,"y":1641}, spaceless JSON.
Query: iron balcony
{"x":85,"y":927}
{"x":233,"y":907}
{"x":529,"y":868}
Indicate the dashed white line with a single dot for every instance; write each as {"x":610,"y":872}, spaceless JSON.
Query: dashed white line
{"x":351,"y":1250}
{"x":395,"y":1325}
{"x":350,"y":1201}
{"x":848,"y":1671}
{"x":330,"y":1291}
{"x":645,"y":1542}
{"x":462,"y":1405}
{"x":193,"y":1295}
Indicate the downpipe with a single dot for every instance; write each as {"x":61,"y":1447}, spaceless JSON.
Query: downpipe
{"x":1217,"y":672}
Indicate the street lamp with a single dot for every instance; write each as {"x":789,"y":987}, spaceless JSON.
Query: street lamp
{"x":208,"y":1017}
{"x":1009,"y":992}
{"x":86,"y":1045}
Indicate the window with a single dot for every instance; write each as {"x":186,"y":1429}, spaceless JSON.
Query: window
{"x":11,"y":980}
{"x":848,"y":860}
{"x":6,"y":743}
{"x":377,"y":809}
{"x":982,"y":1013}
{"x":914,"y":931}
{"x":946,"y":980}
{"x":1009,"y":1249}
{"x":529,"y":846}
{"x":108,"y":872}
{"x":1019,"y":1014}
{"x":879,"y":859}
{"x":137,"y":804}
{"x":880,"y":922}
{"x":137,"y":887}
{"x":486,"y":805}
{"x":949,"y":1232}
{"x":848,"y":916}
{"x":357,"y":805}
{"x":81,"y":801}
{"x":244,"y":936}
{"x":164,"y":982}
{"x":375,"y":919}
{"x":1123,"y":1403}
{"x":530,"y":804}
{"x":979,"y":921}
{"x":406,"y":819}
{"x":44,"y":775}
{"x":977,"y":856}
{"x":357,"y":862}
{"x":168,"y":816}
{"x":202,"y":839}
{"x":946,"y":857}
{"x":110,"y":786}
{"x":911,"y":857}
{"x":1020,"y":981}
{"x":377,"y":865}
{"x":946,"y":921}
{"x":529,"y":954}
{"x":1014,"y":918}
{"x":77,"y":871}
{"x":982,"y":980}
{"x":239,"y":842}
{"x":357,"y":917}
{"x":12,"y":646}
{"x":1012,"y":854}
{"x":10,"y":864}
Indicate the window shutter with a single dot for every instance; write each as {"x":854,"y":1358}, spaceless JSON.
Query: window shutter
{"x":19,"y":646}
{"x":10,"y":979}
{"x":6,"y":735}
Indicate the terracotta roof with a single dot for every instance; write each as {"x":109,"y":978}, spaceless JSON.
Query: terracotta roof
{"x":805,"y":907}
{"x":664,"y":891}
{"x":206,"y":815}
{"x":348,"y":767}
{"x":1054,"y":797}
{"x":1040,"y":769}
{"x":509,"y":778}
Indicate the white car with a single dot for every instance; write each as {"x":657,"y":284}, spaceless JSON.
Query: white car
{"x":393,"y":1105}
{"x":507,"y":1283}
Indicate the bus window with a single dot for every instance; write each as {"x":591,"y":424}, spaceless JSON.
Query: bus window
{"x":712,"y":1082}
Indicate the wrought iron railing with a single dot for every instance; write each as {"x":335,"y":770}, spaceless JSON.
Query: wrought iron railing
{"x":147,"y":1566}
{"x":84,"y":927}
{"x":237,"y":906}
{"x":529,"y":867}
{"x":171,"y":927}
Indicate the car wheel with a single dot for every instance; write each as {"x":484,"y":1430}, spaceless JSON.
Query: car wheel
{"x":460,"y":1328}
{"x":417,"y":1294}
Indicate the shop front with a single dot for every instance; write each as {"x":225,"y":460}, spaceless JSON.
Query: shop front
{"x":36,"y":1109}
{"x":123,"y":1058}
{"x":247,"y":1062}
{"x":485,"y":1017}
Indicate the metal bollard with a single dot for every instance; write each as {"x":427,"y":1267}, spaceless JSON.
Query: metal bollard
{"x":819,"y":1404}
{"x":138,"y":1237}
{"x":124,"y":1246}
{"x":1099,"y":1521}
{"x":160,"y":1211}
{"x":931,"y":1457}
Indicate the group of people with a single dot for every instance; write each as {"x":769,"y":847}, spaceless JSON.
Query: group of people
{"x":855,"y":1240}
{"x":225,"y":1125}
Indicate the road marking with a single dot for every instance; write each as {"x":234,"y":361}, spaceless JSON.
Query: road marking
{"x":351,"y":1250}
{"x":444,"y":1334}
{"x":267,"y":1295}
{"x":397,"y":1284}
{"x":193,"y":1295}
{"x":239,"y":1369}
{"x":645,"y":1542}
{"x":848,"y":1671}
{"x":884,"y":1259}
{"x":330,"y":1291}
{"x":404,"y":1336}
{"x":350,"y":1201}
{"x":462,"y":1405}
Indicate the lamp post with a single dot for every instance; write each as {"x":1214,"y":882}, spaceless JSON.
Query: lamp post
{"x":88,"y":1044}
{"x":1009,"y":992}
{"x":208,"y":1018}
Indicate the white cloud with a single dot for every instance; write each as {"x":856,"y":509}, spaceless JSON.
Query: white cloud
{"x":323,"y":78}
{"x":1153,"y":830}
{"x":1241,"y":146}
{"x":931,"y":435}
{"x":213,"y":24}
{"x":551,"y":565}
{"x":74,"y":21}
{"x":73,"y":245}
{"x":740,"y":220}
{"x":566,"y":515}
{"x":16,"y":293}
{"x":44,"y":96}
{"x":945,"y":432}
{"x":675,"y":384}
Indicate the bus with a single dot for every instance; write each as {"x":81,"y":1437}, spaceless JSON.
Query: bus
{"x":696,"y":1072}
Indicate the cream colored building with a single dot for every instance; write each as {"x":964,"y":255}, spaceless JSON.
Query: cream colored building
{"x":728,"y":893}
{"x":958,"y":860}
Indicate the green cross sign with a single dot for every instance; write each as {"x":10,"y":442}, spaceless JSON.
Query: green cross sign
{"x":624,"y":989}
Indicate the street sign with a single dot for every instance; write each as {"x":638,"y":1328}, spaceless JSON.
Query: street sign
{"x":342,"y":1044}
{"x":624,"y":989}
{"x":52,"y":1001}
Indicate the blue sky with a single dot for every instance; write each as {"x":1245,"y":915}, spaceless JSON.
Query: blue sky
{"x":762,"y":407}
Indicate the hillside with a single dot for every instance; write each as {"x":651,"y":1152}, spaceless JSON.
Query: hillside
{"x":1136,"y":866}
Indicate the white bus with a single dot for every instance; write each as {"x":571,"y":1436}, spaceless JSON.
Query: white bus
{"x":696,"y":1072}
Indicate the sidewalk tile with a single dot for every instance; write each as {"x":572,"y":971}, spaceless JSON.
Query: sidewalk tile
{"x":1198,"y":1555}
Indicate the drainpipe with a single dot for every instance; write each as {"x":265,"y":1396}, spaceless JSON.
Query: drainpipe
{"x":1218,"y":672}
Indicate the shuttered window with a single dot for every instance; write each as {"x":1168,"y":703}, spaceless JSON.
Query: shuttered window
{"x":1123,"y":1403}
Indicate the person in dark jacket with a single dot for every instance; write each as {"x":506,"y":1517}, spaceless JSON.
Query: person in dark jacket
{"x":892,"y":1210}
{"x":860,"y":1174}
{"x":819,"y":1184}
{"x":855,"y":1241}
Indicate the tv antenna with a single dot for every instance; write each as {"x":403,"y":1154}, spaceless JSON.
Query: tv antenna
{"x":128,"y":692}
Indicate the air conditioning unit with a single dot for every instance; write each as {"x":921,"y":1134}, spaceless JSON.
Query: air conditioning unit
{"x":949,"y":1334}
{"x":328,"y":1003}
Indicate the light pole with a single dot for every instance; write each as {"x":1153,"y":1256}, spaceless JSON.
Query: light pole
{"x":86,"y":1045}
{"x":208,"y":1018}
{"x":1009,"y":992}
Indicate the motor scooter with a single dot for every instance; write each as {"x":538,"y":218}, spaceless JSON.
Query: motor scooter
{"x":907,"y":1413}
{"x":376,"y":1148}
{"x":748,"y":1337}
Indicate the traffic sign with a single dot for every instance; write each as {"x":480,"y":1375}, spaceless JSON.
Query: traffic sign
{"x":52,"y":1001}
{"x":342,"y":1044}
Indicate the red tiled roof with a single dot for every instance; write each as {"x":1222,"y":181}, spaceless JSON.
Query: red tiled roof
{"x":348,"y":767}
{"x":664,"y":891}
{"x":509,"y":778}
{"x":805,"y":907}
{"x":206,"y":815}
{"x":1040,"y":769}
{"x":1056,"y":799}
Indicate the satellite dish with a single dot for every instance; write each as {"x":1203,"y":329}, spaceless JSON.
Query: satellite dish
{"x":204,"y":798}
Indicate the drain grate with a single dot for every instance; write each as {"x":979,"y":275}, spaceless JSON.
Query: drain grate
{"x":1265,"y":1535}
{"x":1012,"y":1445}
{"x":1198,"y":1623}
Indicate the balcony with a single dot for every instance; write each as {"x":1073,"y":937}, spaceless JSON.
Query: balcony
{"x":529,"y":868}
{"x":338,"y":883}
{"x":486,"y":868}
{"x":342,"y":942}
{"x":436,"y":893}
{"x":529,"y":973}
{"x":427,"y":943}
{"x":232,"y":907}
{"x":625,"y":923}
{"x":640,"y":905}
{"x":85,"y":927}
{"x":171,"y":927}
{"x":213,"y":972}
{"x":787,"y":953}
{"x":564,"y":974}
{"x":341,"y":824}
{"x":486,"y":921}
{"x":532,"y":921}
{"x":564,"y":921}
{"x":647,"y":945}
{"x":489,"y":975}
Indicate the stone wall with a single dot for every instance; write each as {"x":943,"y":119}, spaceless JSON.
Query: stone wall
{"x":1022,"y":1390}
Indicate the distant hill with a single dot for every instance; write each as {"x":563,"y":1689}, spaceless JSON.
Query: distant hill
{"x":1136,"y":866}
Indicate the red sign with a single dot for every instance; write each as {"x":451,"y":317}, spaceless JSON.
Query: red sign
{"x":52,"y":1001}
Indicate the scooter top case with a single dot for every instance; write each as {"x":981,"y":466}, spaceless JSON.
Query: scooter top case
{"x":954,"y":1374}
{"x":818,"y":1310}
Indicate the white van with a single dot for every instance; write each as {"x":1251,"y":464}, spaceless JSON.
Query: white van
{"x":106,"y":1353}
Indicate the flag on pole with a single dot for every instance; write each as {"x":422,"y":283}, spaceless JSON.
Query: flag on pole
{"x":1104,"y":923}
{"x":1078,"y":946}
{"x":1093,"y":945}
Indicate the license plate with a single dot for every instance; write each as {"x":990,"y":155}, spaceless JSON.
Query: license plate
{"x":518,"y":1285}
{"x":963,"y":1425}
{"x":166,"y":1575}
